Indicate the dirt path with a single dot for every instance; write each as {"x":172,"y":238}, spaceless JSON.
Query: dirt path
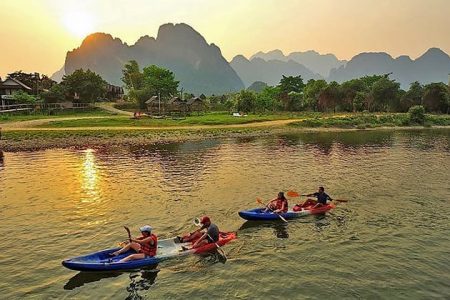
{"x":108,"y":106}
{"x":28,"y":125}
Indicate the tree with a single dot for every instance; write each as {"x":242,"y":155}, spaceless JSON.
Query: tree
{"x":132,"y":76}
{"x":160,"y":81}
{"x":311,"y":93}
{"x":412,"y":97}
{"x":436,"y":97}
{"x":257,"y":86}
{"x":23,"y":97}
{"x":88,"y":85}
{"x":290,"y":87}
{"x":330,"y":97}
{"x":359,"y":101}
{"x":57,"y":93}
{"x":385,"y":93}
{"x":246,"y":101}
{"x":417,"y":114}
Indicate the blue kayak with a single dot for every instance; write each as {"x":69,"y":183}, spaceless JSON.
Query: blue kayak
{"x":167,"y":248}
{"x":258,"y":214}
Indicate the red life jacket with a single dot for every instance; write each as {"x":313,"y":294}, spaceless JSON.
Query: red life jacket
{"x":149,"y":249}
{"x":280,"y":204}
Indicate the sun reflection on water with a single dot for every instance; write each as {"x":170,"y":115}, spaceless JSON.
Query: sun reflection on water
{"x":90,"y":177}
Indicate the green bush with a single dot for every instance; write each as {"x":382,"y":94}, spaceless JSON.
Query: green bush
{"x":416,"y":114}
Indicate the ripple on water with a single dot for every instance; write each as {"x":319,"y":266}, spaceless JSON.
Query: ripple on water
{"x":389,"y":241}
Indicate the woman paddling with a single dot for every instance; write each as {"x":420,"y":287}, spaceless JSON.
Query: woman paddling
{"x":145,"y":246}
{"x":278,"y":205}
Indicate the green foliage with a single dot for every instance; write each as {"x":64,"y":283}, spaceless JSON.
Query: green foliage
{"x":160,"y":81}
{"x":329,"y":97}
{"x":412,"y":97}
{"x":385,"y":95}
{"x":132,"y":76}
{"x":417,"y":114}
{"x":88,"y":85}
{"x":57,"y":93}
{"x":311,"y":93}
{"x":359,"y":101}
{"x":23,"y":97}
{"x":436,"y":97}
{"x":246,"y":101}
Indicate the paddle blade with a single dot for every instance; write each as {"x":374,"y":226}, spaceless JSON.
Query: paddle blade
{"x":259,"y":201}
{"x":340,"y":200}
{"x":293,"y":194}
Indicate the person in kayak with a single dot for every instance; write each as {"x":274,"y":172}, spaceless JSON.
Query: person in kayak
{"x":321,"y":196}
{"x":202,"y":238}
{"x":145,"y":245}
{"x":278,"y":205}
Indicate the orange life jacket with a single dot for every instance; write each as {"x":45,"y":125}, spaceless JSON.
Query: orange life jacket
{"x":149,"y":249}
{"x":279,"y":204}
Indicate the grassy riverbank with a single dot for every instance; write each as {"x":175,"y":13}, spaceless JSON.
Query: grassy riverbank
{"x":14,"y":117}
{"x":120,"y":130}
{"x":363,"y":121}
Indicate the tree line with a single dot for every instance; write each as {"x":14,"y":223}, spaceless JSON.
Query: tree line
{"x":376,"y":93}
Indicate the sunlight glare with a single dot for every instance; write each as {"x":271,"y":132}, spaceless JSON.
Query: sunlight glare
{"x":79,"y":23}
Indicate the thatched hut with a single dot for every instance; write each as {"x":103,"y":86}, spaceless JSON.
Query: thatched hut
{"x":176,"y":105}
{"x":154,"y":106}
{"x":196,"y":104}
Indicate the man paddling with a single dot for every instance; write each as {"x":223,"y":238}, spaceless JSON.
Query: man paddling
{"x":321,"y":196}
{"x":202,"y":238}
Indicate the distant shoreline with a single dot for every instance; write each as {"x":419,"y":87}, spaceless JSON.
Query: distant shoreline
{"x":35,"y":139}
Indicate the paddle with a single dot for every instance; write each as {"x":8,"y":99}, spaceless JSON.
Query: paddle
{"x":129,"y":233}
{"x":266,"y":205}
{"x":198,"y":223}
{"x":295,"y":194}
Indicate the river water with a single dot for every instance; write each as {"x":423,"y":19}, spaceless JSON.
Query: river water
{"x":391,"y":240}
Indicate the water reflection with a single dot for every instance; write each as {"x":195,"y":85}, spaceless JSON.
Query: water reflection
{"x":140,"y":282}
{"x":280,"y":230}
{"x":83,"y":278}
{"x":90,"y":176}
{"x":2,"y":159}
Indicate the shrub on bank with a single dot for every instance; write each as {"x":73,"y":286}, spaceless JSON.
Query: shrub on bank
{"x":416,"y":114}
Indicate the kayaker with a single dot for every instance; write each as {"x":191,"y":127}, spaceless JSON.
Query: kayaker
{"x":202,"y":238}
{"x":278,"y":205}
{"x":145,"y":245}
{"x":321,"y":196}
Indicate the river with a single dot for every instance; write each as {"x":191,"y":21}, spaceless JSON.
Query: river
{"x":391,"y":240}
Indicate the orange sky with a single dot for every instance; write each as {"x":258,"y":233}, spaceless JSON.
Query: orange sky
{"x":35,"y":35}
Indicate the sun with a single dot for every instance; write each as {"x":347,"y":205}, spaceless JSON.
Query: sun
{"x":79,"y":23}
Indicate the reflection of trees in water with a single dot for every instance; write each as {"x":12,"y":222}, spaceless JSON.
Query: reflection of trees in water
{"x":428,"y":139}
{"x":182,"y":164}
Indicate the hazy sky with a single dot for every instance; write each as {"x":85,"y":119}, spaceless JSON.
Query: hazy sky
{"x":35,"y":35}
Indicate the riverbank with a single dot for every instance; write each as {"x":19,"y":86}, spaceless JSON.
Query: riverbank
{"x":106,"y":130}
{"x":40,"y":139}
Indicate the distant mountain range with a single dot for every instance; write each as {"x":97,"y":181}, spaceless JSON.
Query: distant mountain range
{"x":201,"y":68}
{"x":316,"y":62}
{"x":198,"y":66}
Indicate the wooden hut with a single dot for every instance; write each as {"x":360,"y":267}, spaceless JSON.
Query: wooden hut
{"x":176,"y":106}
{"x":154,"y":106}
{"x":196,"y":104}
